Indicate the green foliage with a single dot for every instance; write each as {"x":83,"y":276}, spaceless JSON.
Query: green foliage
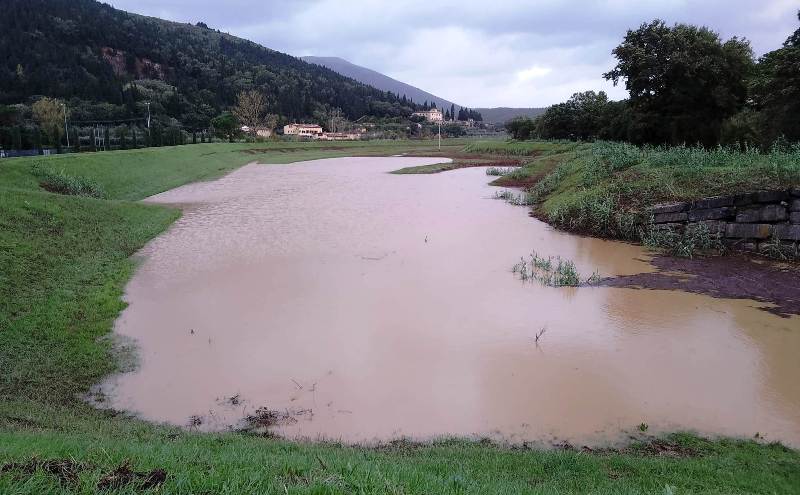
{"x":499,"y":171}
{"x":521,"y":128}
{"x":583,"y":117}
{"x":549,"y":183}
{"x":61,"y":183}
{"x":686,"y":243}
{"x":683,"y":81}
{"x":226,"y":126}
{"x":605,"y":188}
{"x":686,"y":86}
{"x":775,"y":90}
{"x":550,"y":271}
{"x":597,"y":213}
{"x":520,"y":148}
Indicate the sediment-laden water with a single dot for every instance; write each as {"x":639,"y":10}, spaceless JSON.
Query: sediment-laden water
{"x":359,"y":305}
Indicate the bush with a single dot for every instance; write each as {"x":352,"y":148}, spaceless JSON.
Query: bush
{"x":61,"y":183}
{"x":694,"y":239}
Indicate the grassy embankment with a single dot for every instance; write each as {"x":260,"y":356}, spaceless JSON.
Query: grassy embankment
{"x":604,"y":189}
{"x":64,"y":261}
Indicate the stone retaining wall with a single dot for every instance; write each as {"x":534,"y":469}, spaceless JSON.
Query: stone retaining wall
{"x":745,"y":221}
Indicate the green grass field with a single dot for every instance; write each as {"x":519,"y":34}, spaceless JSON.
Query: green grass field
{"x":64,"y":261}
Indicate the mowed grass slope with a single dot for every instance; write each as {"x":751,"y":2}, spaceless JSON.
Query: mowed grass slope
{"x":64,"y":261}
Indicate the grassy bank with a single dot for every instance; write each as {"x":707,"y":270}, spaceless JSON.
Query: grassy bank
{"x":604,"y":188}
{"x":64,"y":260}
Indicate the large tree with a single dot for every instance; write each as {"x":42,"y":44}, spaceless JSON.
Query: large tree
{"x":684,"y":81}
{"x":776,"y":91}
{"x":251,"y":110}
{"x":226,"y":126}
{"x":583,"y":116}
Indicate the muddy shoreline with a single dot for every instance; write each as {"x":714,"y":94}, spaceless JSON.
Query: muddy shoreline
{"x":735,"y":276}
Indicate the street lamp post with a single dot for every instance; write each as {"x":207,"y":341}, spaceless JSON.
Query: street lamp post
{"x":66,"y":129}
{"x":148,"y":118}
{"x":440,"y":135}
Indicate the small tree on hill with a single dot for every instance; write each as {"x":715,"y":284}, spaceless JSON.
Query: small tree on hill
{"x":50,"y":115}
{"x":251,"y":111}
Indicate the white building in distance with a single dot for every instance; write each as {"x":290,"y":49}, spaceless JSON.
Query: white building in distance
{"x":304,"y":130}
{"x":432,"y":115}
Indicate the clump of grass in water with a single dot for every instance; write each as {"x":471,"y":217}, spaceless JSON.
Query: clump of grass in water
{"x":500,"y":171}
{"x":522,"y":199}
{"x":60,"y":182}
{"x":551,"y":271}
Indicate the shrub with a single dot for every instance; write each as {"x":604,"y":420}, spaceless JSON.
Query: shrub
{"x":550,"y":271}
{"x":693,"y":240}
{"x":60,"y":182}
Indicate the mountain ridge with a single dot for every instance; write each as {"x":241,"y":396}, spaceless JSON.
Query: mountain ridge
{"x":378,"y":80}
{"x":386,"y":83}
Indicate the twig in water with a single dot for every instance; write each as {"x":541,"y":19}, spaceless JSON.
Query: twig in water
{"x":539,"y":335}
{"x":298,"y":385}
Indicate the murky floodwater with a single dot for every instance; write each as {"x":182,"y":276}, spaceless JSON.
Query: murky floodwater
{"x":373,"y":306}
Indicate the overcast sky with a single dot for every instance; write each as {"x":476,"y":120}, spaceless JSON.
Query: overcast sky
{"x":477,"y":53}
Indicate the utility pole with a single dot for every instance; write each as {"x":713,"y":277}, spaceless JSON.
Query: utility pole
{"x":148,"y":118}
{"x":440,"y":135}
{"x":66,"y":129}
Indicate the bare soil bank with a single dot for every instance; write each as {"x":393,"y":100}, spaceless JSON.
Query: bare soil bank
{"x":729,"y":277}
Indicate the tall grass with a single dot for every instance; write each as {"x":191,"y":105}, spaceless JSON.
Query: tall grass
{"x":598,"y":214}
{"x":500,"y":171}
{"x":607,"y":158}
{"x":606,"y":188}
{"x":685,"y":244}
{"x":549,"y":183}
{"x":520,"y":148}
{"x":58,"y":181}
{"x":550,"y":271}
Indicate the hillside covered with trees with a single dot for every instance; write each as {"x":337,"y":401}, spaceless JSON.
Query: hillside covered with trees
{"x":686,"y":86}
{"x":105,"y":64}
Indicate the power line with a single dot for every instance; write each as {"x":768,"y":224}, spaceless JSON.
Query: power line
{"x":114,"y":121}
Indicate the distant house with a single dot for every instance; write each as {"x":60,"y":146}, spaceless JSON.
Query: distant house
{"x":432,"y":115}
{"x":264,"y":132}
{"x":303,"y":130}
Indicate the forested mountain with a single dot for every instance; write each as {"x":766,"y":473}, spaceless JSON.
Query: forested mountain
{"x":378,"y":80}
{"x":106,"y":63}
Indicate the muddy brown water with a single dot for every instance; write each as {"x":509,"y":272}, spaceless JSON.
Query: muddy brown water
{"x":370,"y":306}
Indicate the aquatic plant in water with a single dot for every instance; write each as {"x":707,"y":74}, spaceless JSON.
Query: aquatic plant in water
{"x":499,"y":170}
{"x":551,"y":271}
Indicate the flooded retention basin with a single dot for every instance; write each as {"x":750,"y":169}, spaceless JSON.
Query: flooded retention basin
{"x":358,"y":305}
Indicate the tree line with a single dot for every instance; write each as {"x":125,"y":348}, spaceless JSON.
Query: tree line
{"x":686,"y":86}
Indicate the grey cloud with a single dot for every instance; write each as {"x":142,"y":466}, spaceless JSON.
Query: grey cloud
{"x":473,"y":51}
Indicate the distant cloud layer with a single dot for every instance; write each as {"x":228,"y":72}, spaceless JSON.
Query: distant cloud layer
{"x":477,"y":53}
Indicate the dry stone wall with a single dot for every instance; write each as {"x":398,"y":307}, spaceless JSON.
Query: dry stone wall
{"x":745,"y":221}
